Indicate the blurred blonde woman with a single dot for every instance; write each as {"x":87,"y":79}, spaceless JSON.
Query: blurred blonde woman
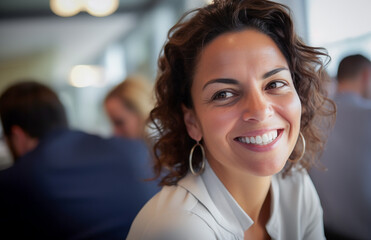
{"x":128,"y":106}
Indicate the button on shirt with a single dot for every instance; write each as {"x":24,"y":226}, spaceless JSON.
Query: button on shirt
{"x":200,"y":207}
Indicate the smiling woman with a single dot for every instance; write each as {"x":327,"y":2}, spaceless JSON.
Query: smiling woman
{"x":237,"y":82}
{"x":258,"y":99}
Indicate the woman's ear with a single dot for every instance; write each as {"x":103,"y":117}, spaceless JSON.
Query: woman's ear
{"x":192,"y":123}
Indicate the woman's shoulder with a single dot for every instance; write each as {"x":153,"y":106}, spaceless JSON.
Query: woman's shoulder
{"x":297,"y":183}
{"x":296,"y":201}
{"x":170,"y":198}
{"x":171,"y":212}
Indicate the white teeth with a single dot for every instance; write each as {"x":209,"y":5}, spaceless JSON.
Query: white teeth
{"x":260,"y":140}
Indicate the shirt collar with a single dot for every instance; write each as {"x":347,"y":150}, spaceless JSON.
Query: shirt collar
{"x":196,"y":186}
{"x":273,"y":224}
{"x":211,"y":192}
{"x":227,"y":205}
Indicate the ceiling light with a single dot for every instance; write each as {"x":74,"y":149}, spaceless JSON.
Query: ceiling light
{"x":98,"y":8}
{"x":86,"y":75}
{"x":66,"y":8}
{"x":101,"y":8}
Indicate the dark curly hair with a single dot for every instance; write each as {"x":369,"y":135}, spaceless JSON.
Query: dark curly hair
{"x":177,"y":66}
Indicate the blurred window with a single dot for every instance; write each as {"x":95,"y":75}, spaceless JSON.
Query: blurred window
{"x":343,"y":27}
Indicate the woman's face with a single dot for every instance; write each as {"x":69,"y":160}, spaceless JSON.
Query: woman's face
{"x":125,"y":122}
{"x":246,"y":109}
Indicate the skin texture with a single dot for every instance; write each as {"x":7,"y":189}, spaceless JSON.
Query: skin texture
{"x":259,"y":96}
{"x":125,"y":122}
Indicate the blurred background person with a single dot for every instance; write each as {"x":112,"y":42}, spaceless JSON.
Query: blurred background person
{"x":344,"y":189}
{"x":128,"y":105}
{"x":65,"y":184}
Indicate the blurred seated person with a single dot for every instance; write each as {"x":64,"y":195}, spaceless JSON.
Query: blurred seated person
{"x":65,"y":184}
{"x":128,"y":106}
{"x":344,"y":189}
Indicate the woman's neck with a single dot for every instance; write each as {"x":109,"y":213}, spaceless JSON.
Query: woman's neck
{"x":250,"y":192}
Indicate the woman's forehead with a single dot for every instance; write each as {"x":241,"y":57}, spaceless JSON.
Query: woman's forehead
{"x":247,"y":49}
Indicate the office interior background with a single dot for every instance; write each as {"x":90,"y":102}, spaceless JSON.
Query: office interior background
{"x":83,"y":56}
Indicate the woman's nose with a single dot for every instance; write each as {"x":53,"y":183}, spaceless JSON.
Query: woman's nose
{"x":256,"y":107}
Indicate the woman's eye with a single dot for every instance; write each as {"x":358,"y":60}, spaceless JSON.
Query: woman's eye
{"x":222,"y":95}
{"x":275,"y":84}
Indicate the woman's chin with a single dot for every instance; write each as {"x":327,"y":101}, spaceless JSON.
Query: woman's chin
{"x":266,"y":169}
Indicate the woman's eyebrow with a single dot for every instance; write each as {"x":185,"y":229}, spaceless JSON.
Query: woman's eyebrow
{"x":272,"y":72}
{"x":221,"y":80}
{"x":235,"y":82}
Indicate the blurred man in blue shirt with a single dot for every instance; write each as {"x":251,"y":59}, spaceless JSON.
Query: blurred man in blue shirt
{"x":344,"y":189}
{"x":65,"y":184}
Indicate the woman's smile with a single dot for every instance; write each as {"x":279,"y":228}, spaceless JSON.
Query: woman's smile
{"x":265,"y":141}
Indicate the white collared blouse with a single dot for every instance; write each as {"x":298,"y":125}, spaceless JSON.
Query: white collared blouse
{"x":200,"y":207}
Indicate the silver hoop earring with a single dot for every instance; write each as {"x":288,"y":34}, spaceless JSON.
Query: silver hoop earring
{"x":191,"y":157}
{"x":303,"y":151}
